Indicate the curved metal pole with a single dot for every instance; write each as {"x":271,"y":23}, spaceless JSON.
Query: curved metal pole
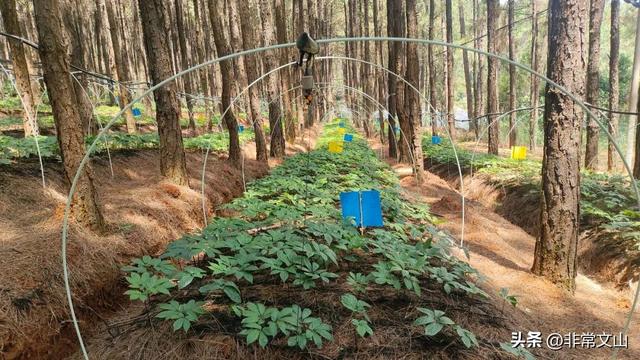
{"x":85,"y":159}
{"x":93,"y":111}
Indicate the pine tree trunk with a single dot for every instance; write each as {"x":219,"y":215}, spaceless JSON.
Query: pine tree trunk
{"x":368,"y":77}
{"x":450,"y":99}
{"x":269,"y":57}
{"x":223,"y":48}
{"x":19,"y":61}
{"x":290,"y":117}
{"x":122,"y":65}
{"x":391,"y":82}
{"x":593,"y":82}
{"x":433,"y":98}
{"x":377,"y":31}
{"x":240,"y":67}
{"x":412,"y":99}
{"x":248,"y":23}
{"x":106,"y":46}
{"x":614,"y":82}
{"x":154,"y":15}
{"x":185,"y":63}
{"x":633,"y":95}
{"x":512,"y":77}
{"x":465,"y":63}
{"x":535,"y":83}
{"x":53,"y":49}
{"x":404,"y":140}
{"x":556,"y":248}
{"x":73,"y":24}
{"x":493,"y":13}
{"x":478,"y":100}
{"x":200,"y":48}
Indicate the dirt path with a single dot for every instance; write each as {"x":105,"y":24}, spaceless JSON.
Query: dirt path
{"x":503,"y":253}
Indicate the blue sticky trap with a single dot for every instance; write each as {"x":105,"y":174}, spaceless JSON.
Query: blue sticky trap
{"x":348,"y":137}
{"x":240,"y":128}
{"x":363,"y":206}
{"x":136,"y":112}
{"x":396,"y":128}
{"x":341,"y":124}
{"x":436,"y":140}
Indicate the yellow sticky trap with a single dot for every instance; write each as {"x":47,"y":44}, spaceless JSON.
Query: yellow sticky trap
{"x":342,"y":131}
{"x":335,"y":147}
{"x":518,"y":152}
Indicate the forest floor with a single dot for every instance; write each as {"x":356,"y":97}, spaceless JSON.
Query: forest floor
{"x":503,"y":253}
{"x":143,"y":214}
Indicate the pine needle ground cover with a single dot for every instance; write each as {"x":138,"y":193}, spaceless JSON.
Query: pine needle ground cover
{"x":286,"y":276}
{"x":610,"y":219}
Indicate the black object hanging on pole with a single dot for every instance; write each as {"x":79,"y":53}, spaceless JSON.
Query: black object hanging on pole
{"x":306,"y":45}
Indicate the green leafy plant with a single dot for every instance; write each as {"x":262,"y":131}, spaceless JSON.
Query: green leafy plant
{"x":468,"y":338}
{"x":149,"y":264}
{"x":519,"y":352}
{"x":358,"y":308}
{"x":144,"y":285}
{"x":358,"y":282}
{"x":228,"y":287}
{"x":258,"y":324}
{"x":307,"y":328}
{"x":433,"y":321}
{"x":508,"y":298}
{"x":182,"y":314}
{"x":262,"y":323}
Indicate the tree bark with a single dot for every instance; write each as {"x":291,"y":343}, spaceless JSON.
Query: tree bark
{"x":593,"y":82}
{"x":465,"y":63}
{"x":236,"y":45}
{"x":433,"y":98}
{"x":291,"y":123}
{"x":19,"y":61}
{"x":53,"y":49}
{"x":377,"y":31}
{"x":391,"y":82}
{"x":248,"y":23}
{"x":493,"y":13}
{"x":633,"y":95}
{"x":185,"y":63}
{"x":200,"y":47}
{"x":478,"y":100}
{"x":512,"y":77}
{"x":556,"y":248}
{"x":106,"y":46}
{"x":122,"y":65}
{"x":154,"y":15}
{"x":223,"y":48}
{"x":275,"y":110}
{"x":412,"y":101}
{"x":614,"y":82}
{"x":367,"y":72}
{"x":73,"y":24}
{"x":450,"y":99}
{"x":535,"y":83}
